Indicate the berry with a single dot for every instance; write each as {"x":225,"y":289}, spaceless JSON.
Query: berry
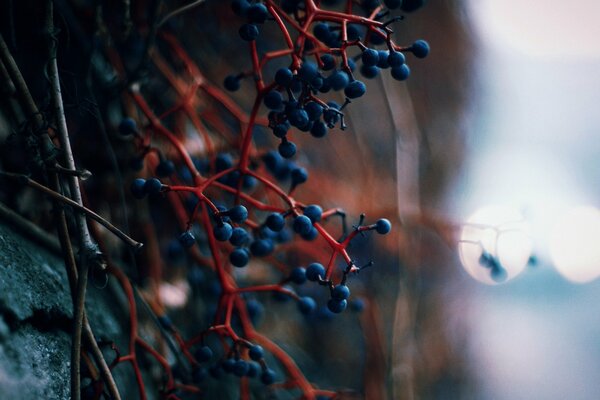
{"x":328,"y":62}
{"x":216,"y":371}
{"x":280,"y":130}
{"x":396,"y":59}
{"x":314,"y":271}
{"x":322,"y":32}
{"x":311,"y":234}
{"x":357,"y":305}
{"x":222,"y":232}
{"x":340,"y":292}
{"x":240,"y":7}
{"x":319,"y":129}
{"x":239,"y":257}
{"x":253,"y":369}
{"x":248,"y":32}
{"x":401,"y":73}
{"x":128,"y":126}
{"x":223,"y":161}
{"x":199,"y":374}
{"x":308,"y":71}
{"x":240,"y":368}
{"x":187,"y":239}
{"x":339,"y":80}
{"x":204,"y":354}
{"x":370,"y":57}
{"x":275,"y":222}
{"x":298,"y":117}
{"x":228,"y":365}
{"x":337,"y":306}
{"x":298,"y":275}
{"x":299,"y":175}
{"x":287,"y":149}
{"x":314,"y":212}
{"x":256,"y":352}
{"x":232,"y":83}
{"x":284,"y":77}
{"x":258,"y":13}
{"x":137,"y":188}
{"x":313,"y":110}
{"x":268,"y":376}
{"x":152,"y":186}
{"x":302,"y":224}
{"x":420,"y":48}
{"x":383,"y":226}
{"x":355,"y":89}
{"x":273,"y":100}
{"x":383,"y":59}
{"x":376,"y":38}
{"x":261,"y":247}
{"x":369,"y":72}
{"x":239,"y":236}
{"x":307,"y":305}
{"x":238,"y":213}
{"x":165,"y":168}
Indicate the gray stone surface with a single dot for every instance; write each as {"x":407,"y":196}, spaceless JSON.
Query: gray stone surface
{"x":36,"y":318}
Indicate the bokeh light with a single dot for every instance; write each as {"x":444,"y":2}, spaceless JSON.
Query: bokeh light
{"x":495,"y":244}
{"x":575,"y":244}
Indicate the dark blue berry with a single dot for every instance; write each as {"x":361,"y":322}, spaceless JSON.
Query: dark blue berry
{"x":240,"y":368}
{"x":302,"y":224}
{"x":401,"y":73}
{"x":222,"y":232}
{"x":383,"y":59}
{"x":314,"y":212}
{"x":238,"y":213}
{"x":357,"y":305}
{"x":355,"y":89}
{"x":298,"y":275}
{"x":314,"y":271}
{"x":204,"y":354}
{"x":128,"y":126}
{"x":307,"y":305}
{"x":339,"y":80}
{"x":240,"y":7}
{"x":298,"y":117}
{"x":337,"y":306}
{"x":137,"y":188}
{"x":199,"y":374}
{"x":232,"y":83}
{"x":340,"y":292}
{"x":268,"y":376}
{"x":328,"y":62}
{"x":187,"y":239}
{"x":299,"y":174}
{"x":223,"y":161}
{"x":228,"y":365}
{"x":311,"y":234}
{"x":383,"y":226}
{"x":287,"y":149}
{"x":258,"y":13}
{"x":308,"y":71}
{"x":253,"y":369}
{"x":239,"y":257}
{"x":165,"y":168}
{"x":396,"y":59}
{"x":420,"y":48}
{"x":152,"y":186}
{"x":273,"y":100}
{"x":275,"y":222}
{"x":370,"y":57}
{"x":216,"y":371}
{"x":322,"y":32}
{"x":314,"y":110}
{"x":284,"y":77}
{"x":248,"y":32}
{"x":256,"y":352}
{"x":239,"y":236}
{"x":319,"y":129}
{"x":261,"y":247}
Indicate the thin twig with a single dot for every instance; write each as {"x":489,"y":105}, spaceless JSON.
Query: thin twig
{"x":25,"y":180}
{"x":178,"y":11}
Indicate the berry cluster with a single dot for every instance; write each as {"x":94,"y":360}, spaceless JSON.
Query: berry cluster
{"x":229,"y":198}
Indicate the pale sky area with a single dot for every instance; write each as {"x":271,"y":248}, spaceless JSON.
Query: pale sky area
{"x":535,"y":145}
